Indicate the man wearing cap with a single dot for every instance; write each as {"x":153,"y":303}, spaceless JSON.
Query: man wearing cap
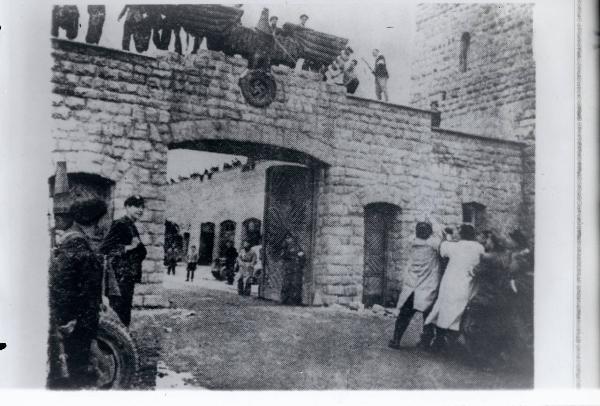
{"x":126,"y":252}
{"x":273,"y":25}
{"x":75,"y":295}
{"x":303,"y":20}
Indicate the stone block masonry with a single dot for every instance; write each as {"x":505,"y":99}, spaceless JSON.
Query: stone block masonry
{"x":477,"y":62}
{"x":117,"y":114}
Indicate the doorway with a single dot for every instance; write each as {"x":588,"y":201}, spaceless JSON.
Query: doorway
{"x":289,"y":201}
{"x":207,"y":243}
{"x":382,"y":236}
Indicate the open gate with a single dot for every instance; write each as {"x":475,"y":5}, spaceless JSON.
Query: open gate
{"x":289,"y":200}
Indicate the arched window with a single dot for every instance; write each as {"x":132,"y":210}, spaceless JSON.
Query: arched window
{"x":465,"y":43}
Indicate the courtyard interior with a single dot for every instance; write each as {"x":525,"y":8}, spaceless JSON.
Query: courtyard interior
{"x":214,"y":339}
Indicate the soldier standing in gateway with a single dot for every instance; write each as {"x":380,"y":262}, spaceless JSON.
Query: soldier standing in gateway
{"x":126,"y":252}
{"x":293,"y":260}
{"x":75,"y":295}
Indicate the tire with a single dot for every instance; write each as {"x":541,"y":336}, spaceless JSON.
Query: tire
{"x":259,"y":88}
{"x":114,"y":353}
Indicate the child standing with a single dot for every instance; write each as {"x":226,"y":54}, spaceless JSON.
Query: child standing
{"x":192,"y":261}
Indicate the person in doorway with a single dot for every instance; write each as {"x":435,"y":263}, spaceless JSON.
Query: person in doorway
{"x":171,"y":260}
{"x":230,"y":254}
{"x":192,"y":263}
{"x":75,"y":296}
{"x":246,"y":262}
{"x":420,"y":285}
{"x":303,"y":20}
{"x":456,"y":286}
{"x":125,"y":253}
{"x":381,"y":76}
{"x":293,"y":260}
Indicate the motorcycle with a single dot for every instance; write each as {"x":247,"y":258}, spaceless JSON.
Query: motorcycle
{"x":221,"y":272}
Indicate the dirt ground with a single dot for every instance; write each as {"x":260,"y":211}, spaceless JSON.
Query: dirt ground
{"x":214,"y":339}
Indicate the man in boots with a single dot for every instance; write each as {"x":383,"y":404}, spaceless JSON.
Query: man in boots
{"x":420,"y":285}
{"x":126,"y":252}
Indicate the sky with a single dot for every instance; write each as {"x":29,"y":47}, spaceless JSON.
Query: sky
{"x":388,"y":26}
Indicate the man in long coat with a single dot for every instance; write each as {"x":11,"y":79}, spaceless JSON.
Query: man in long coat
{"x":126,"y":252}
{"x":456,"y":287}
{"x":293,"y":260}
{"x":420,"y":285}
{"x":75,"y":295}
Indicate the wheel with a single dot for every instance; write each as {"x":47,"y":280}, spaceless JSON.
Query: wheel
{"x":113,"y":353}
{"x":258,"y":88}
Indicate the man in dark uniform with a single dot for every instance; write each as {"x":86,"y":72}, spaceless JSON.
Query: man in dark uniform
{"x":230,"y":254}
{"x":75,"y":283}
{"x":273,"y":25}
{"x":97,"y":16}
{"x":126,"y":252}
{"x":381,"y":76}
{"x":293,"y":260}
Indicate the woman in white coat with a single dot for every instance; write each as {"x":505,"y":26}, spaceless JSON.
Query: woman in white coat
{"x":456,"y":287}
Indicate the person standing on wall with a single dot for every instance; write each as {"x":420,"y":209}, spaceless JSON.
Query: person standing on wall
{"x":75,"y":296}
{"x":420,"y":285}
{"x":350,"y":80}
{"x":303,"y":20}
{"x":126,"y":252}
{"x":192,"y":263}
{"x":381,"y":76}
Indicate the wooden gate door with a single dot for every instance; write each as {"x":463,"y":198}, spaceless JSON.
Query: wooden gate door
{"x":289,"y":198}
{"x":376,"y":235}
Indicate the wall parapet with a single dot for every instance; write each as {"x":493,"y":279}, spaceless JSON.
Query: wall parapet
{"x":479,"y":137}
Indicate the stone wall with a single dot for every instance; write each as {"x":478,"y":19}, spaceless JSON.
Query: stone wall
{"x":495,"y":95}
{"x":116,"y":114}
